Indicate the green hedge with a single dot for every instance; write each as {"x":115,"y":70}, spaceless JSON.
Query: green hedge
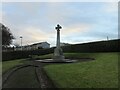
{"x":24,"y":54}
{"x":101,"y":46}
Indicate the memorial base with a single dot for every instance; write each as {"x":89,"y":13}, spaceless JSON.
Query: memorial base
{"x":57,"y":61}
{"x":59,"y":58}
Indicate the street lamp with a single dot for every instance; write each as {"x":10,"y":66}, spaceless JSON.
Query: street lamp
{"x":107,"y":38}
{"x":21,"y":41}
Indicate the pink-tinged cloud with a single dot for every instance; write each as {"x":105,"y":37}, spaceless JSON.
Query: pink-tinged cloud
{"x":76,"y":29}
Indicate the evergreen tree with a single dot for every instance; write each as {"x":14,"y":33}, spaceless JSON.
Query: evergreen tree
{"x":7,"y":36}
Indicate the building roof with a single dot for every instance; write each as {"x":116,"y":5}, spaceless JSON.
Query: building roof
{"x":40,"y":43}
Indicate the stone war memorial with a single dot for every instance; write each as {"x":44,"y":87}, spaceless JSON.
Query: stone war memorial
{"x":58,"y":55}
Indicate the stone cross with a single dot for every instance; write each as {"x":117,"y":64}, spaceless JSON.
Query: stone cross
{"x":58,"y":54}
{"x":58,"y":35}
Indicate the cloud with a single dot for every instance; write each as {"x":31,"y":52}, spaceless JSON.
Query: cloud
{"x":76,"y":29}
{"x":36,"y":21}
{"x":55,"y":12}
{"x":31,"y":8}
{"x":111,"y":7}
{"x":35,"y":33}
{"x":0,"y":11}
{"x":1,"y":14}
{"x":32,"y":35}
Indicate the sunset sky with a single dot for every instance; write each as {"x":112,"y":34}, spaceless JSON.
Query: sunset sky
{"x":81,"y":21}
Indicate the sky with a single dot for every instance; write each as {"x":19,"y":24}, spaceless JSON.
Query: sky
{"x":81,"y":21}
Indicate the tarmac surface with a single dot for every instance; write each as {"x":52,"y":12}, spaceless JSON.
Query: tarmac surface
{"x":29,"y":75}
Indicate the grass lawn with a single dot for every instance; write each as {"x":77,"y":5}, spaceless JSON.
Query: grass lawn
{"x":69,"y":55}
{"x":6,"y":65}
{"x":43,"y":56}
{"x":99,"y":73}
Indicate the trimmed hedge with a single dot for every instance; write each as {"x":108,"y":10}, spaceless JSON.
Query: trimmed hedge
{"x":101,"y":46}
{"x":24,"y":54}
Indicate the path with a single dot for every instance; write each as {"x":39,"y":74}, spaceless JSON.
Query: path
{"x":22,"y":78}
{"x":31,"y":76}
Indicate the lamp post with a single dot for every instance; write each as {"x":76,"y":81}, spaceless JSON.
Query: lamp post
{"x":107,"y":38}
{"x":21,"y":41}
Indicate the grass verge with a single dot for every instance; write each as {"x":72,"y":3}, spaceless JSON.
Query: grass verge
{"x":6,"y":65}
